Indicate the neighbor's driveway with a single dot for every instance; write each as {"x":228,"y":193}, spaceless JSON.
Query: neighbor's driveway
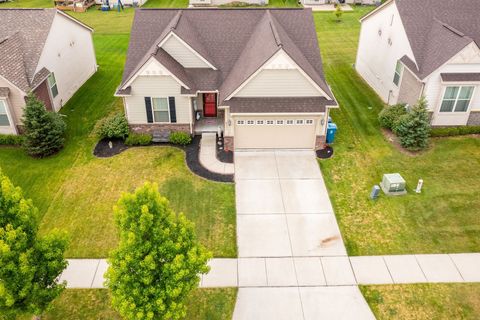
{"x":285,"y":222}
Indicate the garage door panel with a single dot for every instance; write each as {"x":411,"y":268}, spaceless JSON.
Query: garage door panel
{"x":265,"y":136}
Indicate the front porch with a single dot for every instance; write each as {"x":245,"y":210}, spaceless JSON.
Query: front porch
{"x":209,"y":124}
{"x":207,"y":116}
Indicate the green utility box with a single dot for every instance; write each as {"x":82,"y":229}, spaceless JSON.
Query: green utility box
{"x":393,"y":184}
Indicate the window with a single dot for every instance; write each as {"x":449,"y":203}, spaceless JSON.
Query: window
{"x":290,"y":122}
{"x":4,"y":122}
{"x":309,"y":121}
{"x":280,"y":122}
{"x":398,"y":73}
{"x":270,"y":122}
{"x":52,"y":84}
{"x":299,"y":121}
{"x":240,"y":122}
{"x":250,"y":122}
{"x":456,"y":99}
{"x":161,"y":111}
{"x":259,"y":122}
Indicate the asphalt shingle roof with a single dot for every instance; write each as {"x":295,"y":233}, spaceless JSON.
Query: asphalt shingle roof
{"x":236,"y":42}
{"x":280,"y":104}
{"x":437,"y":30}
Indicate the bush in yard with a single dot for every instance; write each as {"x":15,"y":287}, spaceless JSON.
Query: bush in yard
{"x":390,"y":114}
{"x":138,"y":139}
{"x":454,"y":131}
{"x":29,"y":265}
{"x":338,"y":12}
{"x":11,"y":140}
{"x":44,"y":131}
{"x":158,"y":260}
{"x":112,"y":127}
{"x":180,"y":137}
{"x":413,"y":128}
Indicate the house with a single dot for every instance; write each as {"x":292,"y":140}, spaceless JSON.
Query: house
{"x":43,"y":51}
{"x":203,"y":3}
{"x":406,"y":51}
{"x":255,"y":74}
{"x":321,"y":2}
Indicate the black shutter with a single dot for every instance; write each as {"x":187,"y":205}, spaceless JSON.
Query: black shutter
{"x":173,"y":111}
{"x":148,"y":109}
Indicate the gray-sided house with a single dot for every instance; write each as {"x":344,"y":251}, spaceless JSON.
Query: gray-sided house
{"x":43,"y":51}
{"x":254,"y":73}
{"x":410,"y":48}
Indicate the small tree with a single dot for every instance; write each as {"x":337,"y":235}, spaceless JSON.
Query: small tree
{"x":413,"y":128}
{"x":159,"y":258}
{"x":29,"y":265}
{"x":338,"y":12}
{"x":390,"y":114}
{"x":44,"y":130}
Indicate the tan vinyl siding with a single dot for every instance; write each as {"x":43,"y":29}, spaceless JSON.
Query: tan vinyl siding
{"x":410,"y":88}
{"x":155,"y":86}
{"x":16,"y":101}
{"x":182,"y":54}
{"x":278,"y":83}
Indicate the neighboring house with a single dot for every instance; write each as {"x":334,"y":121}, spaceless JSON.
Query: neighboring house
{"x":319,"y":2}
{"x":255,"y":73}
{"x":414,"y":48}
{"x":43,"y":51}
{"x":201,"y":3}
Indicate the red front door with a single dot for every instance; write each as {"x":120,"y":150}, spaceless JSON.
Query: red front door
{"x":209,"y":104}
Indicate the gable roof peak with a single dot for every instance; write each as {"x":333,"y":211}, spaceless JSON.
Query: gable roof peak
{"x":175,"y":20}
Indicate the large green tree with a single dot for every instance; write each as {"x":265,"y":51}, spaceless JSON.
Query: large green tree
{"x":29,"y":265}
{"x":158,"y":261}
{"x":413,"y":128}
{"x":44,"y":131}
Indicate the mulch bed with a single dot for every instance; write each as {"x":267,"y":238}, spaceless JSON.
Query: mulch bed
{"x":325,"y":153}
{"x":103,"y":150}
{"x":222,"y":155}
{"x":393,"y":139}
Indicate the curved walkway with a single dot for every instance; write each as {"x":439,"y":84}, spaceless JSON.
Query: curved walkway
{"x":208,"y":156}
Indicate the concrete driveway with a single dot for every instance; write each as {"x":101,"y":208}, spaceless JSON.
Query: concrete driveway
{"x":285,"y":222}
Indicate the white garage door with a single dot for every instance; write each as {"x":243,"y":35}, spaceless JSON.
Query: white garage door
{"x":271,"y":133}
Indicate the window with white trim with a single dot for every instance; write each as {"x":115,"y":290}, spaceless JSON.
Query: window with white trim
{"x":161,"y":111}
{"x":52,"y":84}
{"x":309,"y":121}
{"x":4,"y":122}
{"x":260,"y":122}
{"x":299,"y":121}
{"x":270,"y":122}
{"x":240,"y":122}
{"x":456,"y":98}
{"x":290,"y":122}
{"x":250,"y":122}
{"x":280,"y":122}
{"x":398,"y":73}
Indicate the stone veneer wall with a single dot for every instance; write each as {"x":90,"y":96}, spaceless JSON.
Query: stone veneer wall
{"x":474,"y":118}
{"x":228,"y":143}
{"x":164,"y":128}
{"x":320,"y":142}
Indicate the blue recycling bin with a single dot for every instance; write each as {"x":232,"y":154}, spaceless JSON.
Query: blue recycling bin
{"x":331,"y":130}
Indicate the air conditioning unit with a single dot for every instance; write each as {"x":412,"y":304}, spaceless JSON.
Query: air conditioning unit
{"x":393,"y":184}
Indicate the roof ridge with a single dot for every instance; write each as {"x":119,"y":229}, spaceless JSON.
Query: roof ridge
{"x":450,"y":28}
{"x":176,"y":19}
{"x":276,"y":36}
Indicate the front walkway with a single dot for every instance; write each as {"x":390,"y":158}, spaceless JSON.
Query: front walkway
{"x":208,"y":155}
{"x":285,"y":222}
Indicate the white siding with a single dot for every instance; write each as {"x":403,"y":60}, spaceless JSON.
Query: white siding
{"x":155,"y":86}
{"x":69,"y":53}
{"x":183,"y":54}
{"x":278,"y":83}
{"x":376,"y":58}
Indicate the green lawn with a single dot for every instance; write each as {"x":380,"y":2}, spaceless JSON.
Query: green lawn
{"x":76,"y":191}
{"x":444,"y":218}
{"x":88,"y":304}
{"x":424,"y":301}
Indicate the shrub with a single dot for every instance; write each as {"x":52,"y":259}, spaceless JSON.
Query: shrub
{"x":338,"y":12}
{"x":454,"y":131}
{"x":138,"y":139}
{"x":413,"y":128}
{"x":11,"y":140}
{"x":390,"y":114}
{"x":180,"y":137}
{"x":158,"y":261}
{"x":44,"y":131}
{"x":115,"y":126}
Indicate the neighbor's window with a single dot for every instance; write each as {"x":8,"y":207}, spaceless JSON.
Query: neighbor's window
{"x":398,"y":73}
{"x":456,"y":99}
{"x":52,"y":83}
{"x":160,"y":110}
{"x":3,"y":114}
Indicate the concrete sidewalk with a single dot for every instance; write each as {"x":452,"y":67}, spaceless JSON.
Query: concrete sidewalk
{"x":310,"y":271}
{"x":208,"y":155}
